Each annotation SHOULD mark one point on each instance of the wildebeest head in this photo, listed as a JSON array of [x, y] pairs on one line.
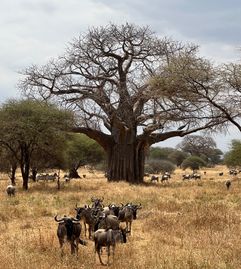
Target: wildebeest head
[[134, 209], [68, 223], [97, 202], [80, 211]]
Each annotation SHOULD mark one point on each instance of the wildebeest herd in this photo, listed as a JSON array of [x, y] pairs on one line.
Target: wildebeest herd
[[103, 226]]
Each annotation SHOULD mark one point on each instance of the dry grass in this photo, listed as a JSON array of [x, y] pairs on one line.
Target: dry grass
[[183, 224]]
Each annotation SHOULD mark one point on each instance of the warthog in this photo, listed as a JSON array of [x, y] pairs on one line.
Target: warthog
[[69, 229], [10, 190], [107, 238]]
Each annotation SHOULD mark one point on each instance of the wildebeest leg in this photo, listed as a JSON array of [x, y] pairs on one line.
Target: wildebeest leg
[[77, 246], [73, 247], [130, 227], [108, 254], [61, 243], [85, 228], [98, 249], [90, 231]]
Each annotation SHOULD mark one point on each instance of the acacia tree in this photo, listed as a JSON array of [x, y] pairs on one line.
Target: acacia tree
[[27, 127], [106, 75], [80, 151]]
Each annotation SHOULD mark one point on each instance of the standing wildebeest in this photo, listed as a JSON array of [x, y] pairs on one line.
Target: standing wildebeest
[[89, 216], [154, 178], [69, 229], [107, 238], [10, 190], [128, 214], [97, 202]]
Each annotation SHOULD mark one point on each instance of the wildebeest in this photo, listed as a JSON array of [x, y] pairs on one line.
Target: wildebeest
[[196, 176], [154, 178], [107, 222], [69, 229], [128, 213], [228, 184], [165, 176], [220, 174], [89, 217], [97, 202], [108, 238], [186, 176], [233, 172], [10, 190]]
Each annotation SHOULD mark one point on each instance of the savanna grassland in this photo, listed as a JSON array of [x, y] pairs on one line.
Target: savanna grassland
[[183, 224]]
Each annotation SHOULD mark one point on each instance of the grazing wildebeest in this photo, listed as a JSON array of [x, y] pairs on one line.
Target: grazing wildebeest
[[107, 238], [128, 213], [154, 178], [165, 176], [186, 176], [228, 184], [233, 172], [69, 229], [220, 174], [10, 190], [196, 176]]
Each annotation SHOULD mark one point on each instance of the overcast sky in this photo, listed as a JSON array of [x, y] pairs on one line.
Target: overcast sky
[[33, 31]]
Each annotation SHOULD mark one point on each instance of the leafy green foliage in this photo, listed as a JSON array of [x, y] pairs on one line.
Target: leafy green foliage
[[82, 150], [193, 162], [159, 166], [233, 157], [33, 132]]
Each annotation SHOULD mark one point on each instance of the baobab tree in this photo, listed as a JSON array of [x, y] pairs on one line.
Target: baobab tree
[[110, 77]]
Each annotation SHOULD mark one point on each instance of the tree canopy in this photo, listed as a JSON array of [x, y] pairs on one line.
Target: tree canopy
[[233, 157], [30, 129]]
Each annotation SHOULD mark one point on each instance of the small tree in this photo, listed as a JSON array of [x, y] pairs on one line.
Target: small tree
[[156, 166], [177, 157], [160, 153], [193, 162], [233, 157], [80, 151]]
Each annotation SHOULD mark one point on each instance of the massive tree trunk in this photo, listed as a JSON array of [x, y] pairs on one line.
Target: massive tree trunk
[[126, 155], [126, 162]]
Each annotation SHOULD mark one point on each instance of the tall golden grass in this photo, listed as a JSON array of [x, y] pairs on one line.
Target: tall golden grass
[[183, 224]]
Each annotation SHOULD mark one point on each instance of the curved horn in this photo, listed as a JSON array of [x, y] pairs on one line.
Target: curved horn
[[75, 220], [60, 220], [76, 207]]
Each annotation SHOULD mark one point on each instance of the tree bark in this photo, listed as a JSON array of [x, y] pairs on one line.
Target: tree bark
[[126, 156], [73, 173], [13, 174], [126, 162]]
